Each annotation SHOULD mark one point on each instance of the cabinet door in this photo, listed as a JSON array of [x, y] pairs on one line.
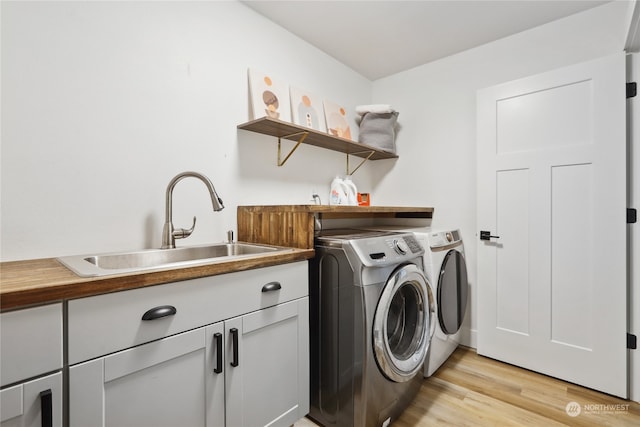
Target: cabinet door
[[33, 404], [22, 358], [163, 383], [267, 378]]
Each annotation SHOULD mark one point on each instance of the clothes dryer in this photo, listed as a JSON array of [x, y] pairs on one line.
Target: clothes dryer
[[370, 326], [446, 269]]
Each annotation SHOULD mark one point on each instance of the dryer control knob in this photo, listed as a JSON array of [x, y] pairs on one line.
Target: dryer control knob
[[400, 246]]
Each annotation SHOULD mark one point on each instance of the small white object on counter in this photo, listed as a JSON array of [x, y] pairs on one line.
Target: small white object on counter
[[352, 192], [337, 195], [343, 192]]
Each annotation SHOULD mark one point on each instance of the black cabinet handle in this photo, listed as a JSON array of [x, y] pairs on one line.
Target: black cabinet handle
[[217, 337], [271, 286], [159, 312], [46, 408], [234, 342]]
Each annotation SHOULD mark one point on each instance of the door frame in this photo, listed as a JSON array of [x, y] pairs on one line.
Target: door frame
[[633, 230]]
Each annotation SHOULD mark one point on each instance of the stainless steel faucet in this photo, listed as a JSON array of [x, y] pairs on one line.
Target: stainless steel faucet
[[169, 234]]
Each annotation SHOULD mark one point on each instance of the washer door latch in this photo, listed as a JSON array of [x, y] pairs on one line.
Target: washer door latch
[[486, 235]]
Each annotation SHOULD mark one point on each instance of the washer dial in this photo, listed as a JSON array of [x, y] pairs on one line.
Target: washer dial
[[400, 246]]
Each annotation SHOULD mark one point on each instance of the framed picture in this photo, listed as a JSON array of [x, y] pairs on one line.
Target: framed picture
[[269, 97], [337, 120], [306, 109]]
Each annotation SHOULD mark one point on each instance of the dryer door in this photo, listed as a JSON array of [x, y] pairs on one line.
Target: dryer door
[[401, 330], [452, 292]]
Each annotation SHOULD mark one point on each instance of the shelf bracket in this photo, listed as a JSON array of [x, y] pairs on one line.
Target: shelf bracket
[[302, 138], [371, 153]]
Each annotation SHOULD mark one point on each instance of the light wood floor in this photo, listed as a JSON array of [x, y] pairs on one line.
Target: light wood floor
[[472, 390]]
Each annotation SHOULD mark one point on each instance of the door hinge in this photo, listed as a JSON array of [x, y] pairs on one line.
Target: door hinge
[[632, 216], [632, 89], [632, 341]]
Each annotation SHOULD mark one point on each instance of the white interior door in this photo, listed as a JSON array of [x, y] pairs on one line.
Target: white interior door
[[552, 187]]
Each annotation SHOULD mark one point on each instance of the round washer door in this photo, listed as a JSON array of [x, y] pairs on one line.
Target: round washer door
[[452, 292], [401, 324]]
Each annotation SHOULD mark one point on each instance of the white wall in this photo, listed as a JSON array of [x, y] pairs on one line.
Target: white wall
[[104, 102], [437, 105]]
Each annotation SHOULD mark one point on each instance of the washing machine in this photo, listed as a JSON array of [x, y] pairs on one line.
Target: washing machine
[[370, 323], [446, 272]]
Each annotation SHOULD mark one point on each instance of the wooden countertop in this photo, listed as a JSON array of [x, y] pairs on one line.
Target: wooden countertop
[[345, 211], [41, 281]]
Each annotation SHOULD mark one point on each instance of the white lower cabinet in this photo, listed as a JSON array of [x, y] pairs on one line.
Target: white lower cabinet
[[30, 367], [248, 370]]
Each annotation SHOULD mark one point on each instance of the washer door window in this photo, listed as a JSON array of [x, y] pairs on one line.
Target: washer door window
[[401, 324], [452, 292]]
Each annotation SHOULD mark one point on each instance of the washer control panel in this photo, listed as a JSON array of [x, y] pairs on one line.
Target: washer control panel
[[377, 248], [393, 249]]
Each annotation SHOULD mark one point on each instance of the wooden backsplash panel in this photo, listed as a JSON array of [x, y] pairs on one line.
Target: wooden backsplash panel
[[281, 228], [293, 225]]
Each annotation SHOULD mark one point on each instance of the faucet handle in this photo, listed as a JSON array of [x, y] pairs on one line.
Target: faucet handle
[[181, 233]]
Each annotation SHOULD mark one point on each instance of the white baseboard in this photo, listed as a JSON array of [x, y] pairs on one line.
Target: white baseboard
[[469, 337]]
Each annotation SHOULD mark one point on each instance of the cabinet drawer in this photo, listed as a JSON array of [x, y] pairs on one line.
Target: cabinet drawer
[[106, 323], [31, 342]]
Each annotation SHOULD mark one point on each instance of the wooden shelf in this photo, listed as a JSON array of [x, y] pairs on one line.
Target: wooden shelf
[[301, 134]]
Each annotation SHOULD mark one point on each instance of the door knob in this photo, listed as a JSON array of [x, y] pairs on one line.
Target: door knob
[[486, 235]]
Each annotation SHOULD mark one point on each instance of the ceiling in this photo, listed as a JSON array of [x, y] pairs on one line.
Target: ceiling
[[381, 38]]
